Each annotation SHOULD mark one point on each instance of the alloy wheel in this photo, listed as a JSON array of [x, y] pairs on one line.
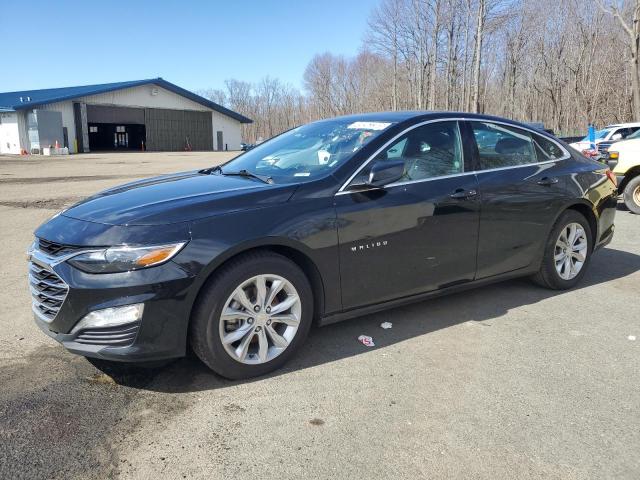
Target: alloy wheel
[[570, 251], [260, 319]]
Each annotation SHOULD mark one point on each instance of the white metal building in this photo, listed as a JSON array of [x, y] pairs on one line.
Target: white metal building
[[151, 114]]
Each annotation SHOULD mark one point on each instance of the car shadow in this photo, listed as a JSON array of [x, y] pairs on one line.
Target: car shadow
[[339, 341]]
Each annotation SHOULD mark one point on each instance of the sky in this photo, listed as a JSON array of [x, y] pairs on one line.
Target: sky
[[194, 44]]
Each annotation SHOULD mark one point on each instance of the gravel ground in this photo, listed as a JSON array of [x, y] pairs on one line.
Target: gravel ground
[[506, 381]]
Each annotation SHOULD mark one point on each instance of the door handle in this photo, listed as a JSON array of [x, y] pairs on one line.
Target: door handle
[[461, 193], [548, 181]]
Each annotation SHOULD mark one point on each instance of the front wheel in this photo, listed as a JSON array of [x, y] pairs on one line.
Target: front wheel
[[252, 316], [632, 195], [567, 252]]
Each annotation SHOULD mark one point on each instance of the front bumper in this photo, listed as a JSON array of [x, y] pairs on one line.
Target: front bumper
[[160, 334]]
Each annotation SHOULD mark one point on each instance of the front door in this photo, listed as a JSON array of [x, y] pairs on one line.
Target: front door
[[418, 234], [220, 141], [121, 137]]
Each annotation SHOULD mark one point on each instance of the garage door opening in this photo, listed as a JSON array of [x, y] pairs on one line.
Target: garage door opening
[[116, 128], [114, 136]]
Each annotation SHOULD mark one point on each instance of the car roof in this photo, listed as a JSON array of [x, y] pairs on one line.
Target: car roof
[[616, 125], [405, 115]]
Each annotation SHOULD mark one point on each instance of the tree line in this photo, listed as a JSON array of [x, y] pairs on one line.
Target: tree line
[[566, 63]]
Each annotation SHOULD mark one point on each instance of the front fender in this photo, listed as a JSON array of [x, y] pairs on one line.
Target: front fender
[[306, 227]]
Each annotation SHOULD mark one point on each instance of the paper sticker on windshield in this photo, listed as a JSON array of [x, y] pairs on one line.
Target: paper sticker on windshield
[[369, 125], [302, 174]]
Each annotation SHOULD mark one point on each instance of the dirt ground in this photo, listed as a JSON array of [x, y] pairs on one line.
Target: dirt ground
[[506, 381]]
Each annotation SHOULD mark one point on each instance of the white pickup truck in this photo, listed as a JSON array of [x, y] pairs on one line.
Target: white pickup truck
[[606, 136], [623, 157]]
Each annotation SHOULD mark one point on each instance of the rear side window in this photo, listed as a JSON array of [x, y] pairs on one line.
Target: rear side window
[[546, 149], [503, 146]]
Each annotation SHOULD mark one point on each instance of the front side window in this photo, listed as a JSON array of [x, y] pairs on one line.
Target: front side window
[[309, 151], [635, 134], [503, 146], [624, 132], [429, 151]]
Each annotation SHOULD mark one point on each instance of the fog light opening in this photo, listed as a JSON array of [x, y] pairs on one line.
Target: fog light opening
[[110, 317]]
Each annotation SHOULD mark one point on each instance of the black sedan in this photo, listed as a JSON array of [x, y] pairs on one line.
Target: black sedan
[[327, 221]]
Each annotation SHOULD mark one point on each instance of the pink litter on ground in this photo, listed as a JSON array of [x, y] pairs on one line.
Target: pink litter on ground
[[366, 341]]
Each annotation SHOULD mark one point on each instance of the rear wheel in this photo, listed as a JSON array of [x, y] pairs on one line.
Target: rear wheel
[[632, 195], [253, 316], [567, 252]]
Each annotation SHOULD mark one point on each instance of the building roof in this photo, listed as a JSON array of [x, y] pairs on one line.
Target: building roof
[[11, 101]]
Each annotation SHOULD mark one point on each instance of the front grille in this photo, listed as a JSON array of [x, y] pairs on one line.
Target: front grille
[[603, 147], [55, 249], [119, 336], [48, 291]]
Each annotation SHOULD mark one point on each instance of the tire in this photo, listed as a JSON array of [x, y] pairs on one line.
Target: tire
[[224, 289], [632, 195], [548, 276]]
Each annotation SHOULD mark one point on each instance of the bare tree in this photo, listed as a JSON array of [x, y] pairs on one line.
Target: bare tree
[[562, 62], [617, 10], [384, 37], [477, 54]]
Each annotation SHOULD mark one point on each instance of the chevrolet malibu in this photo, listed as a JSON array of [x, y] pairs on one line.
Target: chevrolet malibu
[[328, 221]]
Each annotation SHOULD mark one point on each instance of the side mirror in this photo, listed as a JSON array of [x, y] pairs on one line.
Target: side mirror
[[386, 172], [381, 174], [616, 136]]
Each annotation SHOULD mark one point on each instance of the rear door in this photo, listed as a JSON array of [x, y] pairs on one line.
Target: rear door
[[521, 183], [418, 234]]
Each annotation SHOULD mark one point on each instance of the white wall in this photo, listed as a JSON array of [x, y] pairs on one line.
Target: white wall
[[142, 97], [9, 133], [230, 128]]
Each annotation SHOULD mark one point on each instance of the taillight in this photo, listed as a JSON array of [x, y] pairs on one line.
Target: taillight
[[611, 176]]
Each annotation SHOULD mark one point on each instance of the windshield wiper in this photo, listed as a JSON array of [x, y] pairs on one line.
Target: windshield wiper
[[247, 174], [210, 170], [242, 173]]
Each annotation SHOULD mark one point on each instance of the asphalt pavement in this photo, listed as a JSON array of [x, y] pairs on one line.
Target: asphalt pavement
[[506, 381]]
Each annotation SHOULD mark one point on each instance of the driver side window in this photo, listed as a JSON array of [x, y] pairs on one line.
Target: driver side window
[[429, 151]]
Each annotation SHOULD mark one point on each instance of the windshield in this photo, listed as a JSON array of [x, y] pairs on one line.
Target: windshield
[[305, 152], [600, 134]]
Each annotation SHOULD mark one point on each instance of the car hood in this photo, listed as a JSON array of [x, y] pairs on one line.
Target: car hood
[[581, 145], [621, 145], [176, 198]]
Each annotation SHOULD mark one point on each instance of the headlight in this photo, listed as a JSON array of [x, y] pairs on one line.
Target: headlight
[[124, 259]]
